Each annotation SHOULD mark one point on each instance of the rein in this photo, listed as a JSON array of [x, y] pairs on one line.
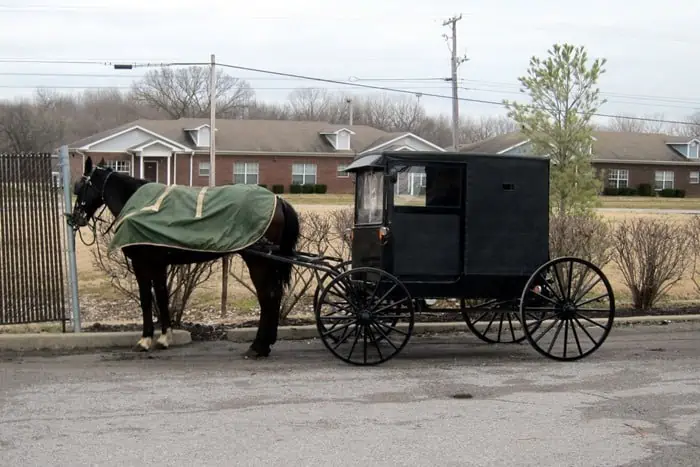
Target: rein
[[93, 227]]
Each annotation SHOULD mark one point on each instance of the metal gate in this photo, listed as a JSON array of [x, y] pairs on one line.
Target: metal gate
[[32, 273]]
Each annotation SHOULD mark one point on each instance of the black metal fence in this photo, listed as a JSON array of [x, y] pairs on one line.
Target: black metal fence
[[32, 274]]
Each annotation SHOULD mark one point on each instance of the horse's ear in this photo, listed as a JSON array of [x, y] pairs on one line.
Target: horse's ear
[[102, 163], [88, 165]]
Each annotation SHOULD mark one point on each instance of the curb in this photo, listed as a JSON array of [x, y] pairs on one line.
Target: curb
[[310, 331], [82, 340]]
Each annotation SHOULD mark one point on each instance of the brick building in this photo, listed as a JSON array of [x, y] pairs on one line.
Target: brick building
[[270, 152], [624, 159]]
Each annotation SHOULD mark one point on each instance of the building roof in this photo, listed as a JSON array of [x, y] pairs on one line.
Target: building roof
[[256, 135], [608, 146]]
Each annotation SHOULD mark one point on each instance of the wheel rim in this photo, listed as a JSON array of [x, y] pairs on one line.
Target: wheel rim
[[365, 316], [576, 308]]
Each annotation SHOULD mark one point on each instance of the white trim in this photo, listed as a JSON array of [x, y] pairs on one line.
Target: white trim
[[167, 172], [141, 165], [162, 143], [515, 146], [677, 143], [635, 162], [135, 127], [157, 169], [174, 168], [333, 155], [338, 131], [198, 128], [133, 162], [404, 148], [191, 166], [409, 134]]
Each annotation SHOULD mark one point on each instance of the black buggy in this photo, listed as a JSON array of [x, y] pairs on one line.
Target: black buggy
[[470, 227]]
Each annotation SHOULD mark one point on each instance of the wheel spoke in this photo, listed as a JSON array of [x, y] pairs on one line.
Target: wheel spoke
[[579, 315], [368, 329], [578, 343], [556, 334], [579, 305], [583, 328], [384, 336]]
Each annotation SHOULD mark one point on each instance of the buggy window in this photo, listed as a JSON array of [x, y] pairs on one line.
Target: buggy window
[[370, 197], [428, 186]]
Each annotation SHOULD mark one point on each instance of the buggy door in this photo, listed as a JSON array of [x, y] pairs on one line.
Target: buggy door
[[426, 209]]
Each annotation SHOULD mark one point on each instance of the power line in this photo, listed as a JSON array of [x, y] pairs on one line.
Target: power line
[[440, 96], [498, 86], [342, 83]]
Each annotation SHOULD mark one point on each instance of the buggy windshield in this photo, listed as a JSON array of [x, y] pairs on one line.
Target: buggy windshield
[[370, 197]]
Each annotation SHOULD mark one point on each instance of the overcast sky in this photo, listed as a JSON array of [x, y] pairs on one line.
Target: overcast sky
[[651, 46]]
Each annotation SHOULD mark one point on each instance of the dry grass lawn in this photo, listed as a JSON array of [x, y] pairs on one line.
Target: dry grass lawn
[[95, 289]]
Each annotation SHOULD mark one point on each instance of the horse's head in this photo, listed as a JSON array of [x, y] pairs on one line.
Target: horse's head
[[89, 191]]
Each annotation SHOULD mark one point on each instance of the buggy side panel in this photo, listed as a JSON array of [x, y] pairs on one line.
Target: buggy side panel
[[426, 245], [507, 221]]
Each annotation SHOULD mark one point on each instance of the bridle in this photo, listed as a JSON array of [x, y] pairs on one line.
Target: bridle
[[79, 208]]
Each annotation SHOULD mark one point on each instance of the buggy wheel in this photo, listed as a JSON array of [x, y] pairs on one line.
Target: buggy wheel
[[500, 318], [365, 316], [570, 295]]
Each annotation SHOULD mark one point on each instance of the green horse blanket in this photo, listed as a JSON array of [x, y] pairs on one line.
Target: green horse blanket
[[222, 219]]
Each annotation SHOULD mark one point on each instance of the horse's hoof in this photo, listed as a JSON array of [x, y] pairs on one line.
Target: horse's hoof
[[144, 344], [164, 341], [254, 354]]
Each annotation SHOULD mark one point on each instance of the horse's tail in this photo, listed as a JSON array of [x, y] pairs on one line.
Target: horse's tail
[[290, 237]]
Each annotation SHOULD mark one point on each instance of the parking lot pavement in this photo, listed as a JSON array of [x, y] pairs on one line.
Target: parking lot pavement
[[447, 400]]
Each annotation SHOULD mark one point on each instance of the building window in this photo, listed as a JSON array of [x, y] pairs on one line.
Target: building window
[[694, 178], [204, 169], [693, 150], [303, 174], [663, 179], [120, 166], [246, 173], [340, 169], [618, 178]]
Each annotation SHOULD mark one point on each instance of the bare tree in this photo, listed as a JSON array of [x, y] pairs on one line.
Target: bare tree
[[478, 129], [184, 92], [623, 123], [315, 104], [26, 127]]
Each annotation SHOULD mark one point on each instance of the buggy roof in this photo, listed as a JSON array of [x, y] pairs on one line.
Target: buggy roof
[[378, 161]]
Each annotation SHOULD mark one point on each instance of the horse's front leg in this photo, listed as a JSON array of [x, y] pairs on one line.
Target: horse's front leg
[[160, 286], [143, 278]]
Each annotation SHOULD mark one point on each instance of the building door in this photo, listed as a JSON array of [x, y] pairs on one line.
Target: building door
[[150, 170]]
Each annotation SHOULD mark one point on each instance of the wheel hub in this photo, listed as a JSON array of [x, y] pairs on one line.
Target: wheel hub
[[365, 317], [568, 310]]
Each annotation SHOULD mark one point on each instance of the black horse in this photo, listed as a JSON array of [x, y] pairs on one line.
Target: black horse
[[102, 186]]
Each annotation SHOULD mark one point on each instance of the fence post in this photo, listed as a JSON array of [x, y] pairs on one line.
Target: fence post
[[64, 162]]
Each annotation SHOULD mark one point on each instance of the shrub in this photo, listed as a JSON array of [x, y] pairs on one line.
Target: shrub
[[321, 234], [645, 189], [320, 189], [295, 188], [307, 188], [585, 236], [278, 189], [182, 279], [652, 255], [262, 185]]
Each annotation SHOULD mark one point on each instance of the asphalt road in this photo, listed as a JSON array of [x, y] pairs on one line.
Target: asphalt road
[[635, 402]]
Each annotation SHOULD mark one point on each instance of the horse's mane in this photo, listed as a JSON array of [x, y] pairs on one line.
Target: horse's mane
[[130, 183]]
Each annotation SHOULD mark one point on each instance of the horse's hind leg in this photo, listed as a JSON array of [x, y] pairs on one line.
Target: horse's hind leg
[[143, 278], [264, 276], [160, 286]]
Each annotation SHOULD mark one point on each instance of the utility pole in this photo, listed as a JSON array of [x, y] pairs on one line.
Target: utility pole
[[212, 122], [456, 61]]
